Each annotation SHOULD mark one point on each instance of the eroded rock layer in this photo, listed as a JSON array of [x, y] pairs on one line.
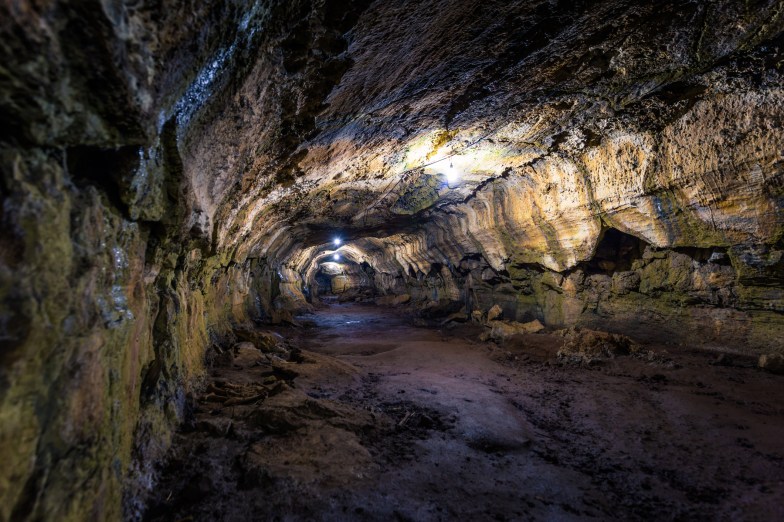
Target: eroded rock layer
[[172, 169]]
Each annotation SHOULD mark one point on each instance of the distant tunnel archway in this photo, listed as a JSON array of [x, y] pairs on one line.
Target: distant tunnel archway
[[343, 274]]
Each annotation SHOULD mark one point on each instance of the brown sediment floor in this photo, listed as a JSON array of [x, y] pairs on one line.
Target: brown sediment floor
[[378, 419]]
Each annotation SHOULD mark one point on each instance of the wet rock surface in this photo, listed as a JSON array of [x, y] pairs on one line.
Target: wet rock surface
[[432, 426]]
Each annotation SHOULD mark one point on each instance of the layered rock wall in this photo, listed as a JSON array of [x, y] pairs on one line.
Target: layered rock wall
[[108, 300]]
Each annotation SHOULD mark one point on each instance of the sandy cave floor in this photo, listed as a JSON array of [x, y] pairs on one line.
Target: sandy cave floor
[[378, 419]]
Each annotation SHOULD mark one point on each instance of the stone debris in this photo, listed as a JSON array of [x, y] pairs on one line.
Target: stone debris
[[585, 345], [772, 362], [625, 282], [283, 316], [393, 300], [230, 394], [503, 330], [266, 341], [496, 312], [247, 355], [458, 317]]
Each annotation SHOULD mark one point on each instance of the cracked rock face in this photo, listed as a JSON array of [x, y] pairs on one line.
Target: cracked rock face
[[172, 169]]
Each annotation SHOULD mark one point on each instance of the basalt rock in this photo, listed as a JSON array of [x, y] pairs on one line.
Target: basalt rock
[[495, 312], [582, 344], [773, 363], [504, 330], [393, 300]]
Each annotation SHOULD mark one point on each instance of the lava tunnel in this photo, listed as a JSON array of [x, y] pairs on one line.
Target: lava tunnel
[[338, 275], [391, 260]]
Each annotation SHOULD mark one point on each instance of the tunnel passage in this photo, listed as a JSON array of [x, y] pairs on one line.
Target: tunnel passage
[[564, 187], [344, 279]]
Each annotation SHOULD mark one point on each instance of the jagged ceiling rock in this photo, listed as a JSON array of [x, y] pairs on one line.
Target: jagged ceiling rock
[[308, 117], [563, 118]]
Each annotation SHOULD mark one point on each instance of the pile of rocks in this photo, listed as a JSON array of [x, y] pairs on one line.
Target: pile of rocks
[[585, 345], [501, 330]]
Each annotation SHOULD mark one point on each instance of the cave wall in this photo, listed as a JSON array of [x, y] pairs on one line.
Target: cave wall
[[106, 322], [105, 325], [722, 298], [108, 297]]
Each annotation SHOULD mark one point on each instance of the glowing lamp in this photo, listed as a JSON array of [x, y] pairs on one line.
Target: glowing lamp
[[452, 175], [336, 257], [336, 241]]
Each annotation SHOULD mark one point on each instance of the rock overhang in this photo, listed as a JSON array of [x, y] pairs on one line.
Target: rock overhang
[[533, 130]]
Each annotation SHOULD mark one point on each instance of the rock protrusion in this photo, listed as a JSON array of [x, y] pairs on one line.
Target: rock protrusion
[[504, 330], [495, 312], [268, 342], [772, 362]]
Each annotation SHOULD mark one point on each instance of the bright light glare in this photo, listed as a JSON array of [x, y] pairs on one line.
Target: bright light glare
[[336, 241], [452, 175], [336, 257]]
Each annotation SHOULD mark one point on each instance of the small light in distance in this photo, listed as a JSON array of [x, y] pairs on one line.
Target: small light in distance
[[336, 257], [336, 241]]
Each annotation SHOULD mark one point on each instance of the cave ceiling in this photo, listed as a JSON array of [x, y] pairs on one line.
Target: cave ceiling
[[288, 123]]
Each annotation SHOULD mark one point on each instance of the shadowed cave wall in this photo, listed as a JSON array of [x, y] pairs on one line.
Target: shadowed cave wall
[[172, 170]]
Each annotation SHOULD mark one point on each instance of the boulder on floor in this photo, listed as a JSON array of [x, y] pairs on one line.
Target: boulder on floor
[[441, 308], [283, 316], [458, 317], [585, 345], [503, 330], [393, 300], [246, 354], [495, 312], [264, 340], [772, 362]]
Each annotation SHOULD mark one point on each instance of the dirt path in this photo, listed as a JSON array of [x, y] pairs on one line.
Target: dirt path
[[381, 420]]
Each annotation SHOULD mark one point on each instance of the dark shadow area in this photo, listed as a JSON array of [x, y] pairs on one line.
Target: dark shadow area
[[105, 169], [615, 252]]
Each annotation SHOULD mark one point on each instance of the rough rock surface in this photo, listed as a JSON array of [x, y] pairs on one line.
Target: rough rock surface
[[172, 169], [773, 363], [495, 312], [427, 425], [503, 330], [586, 345]]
